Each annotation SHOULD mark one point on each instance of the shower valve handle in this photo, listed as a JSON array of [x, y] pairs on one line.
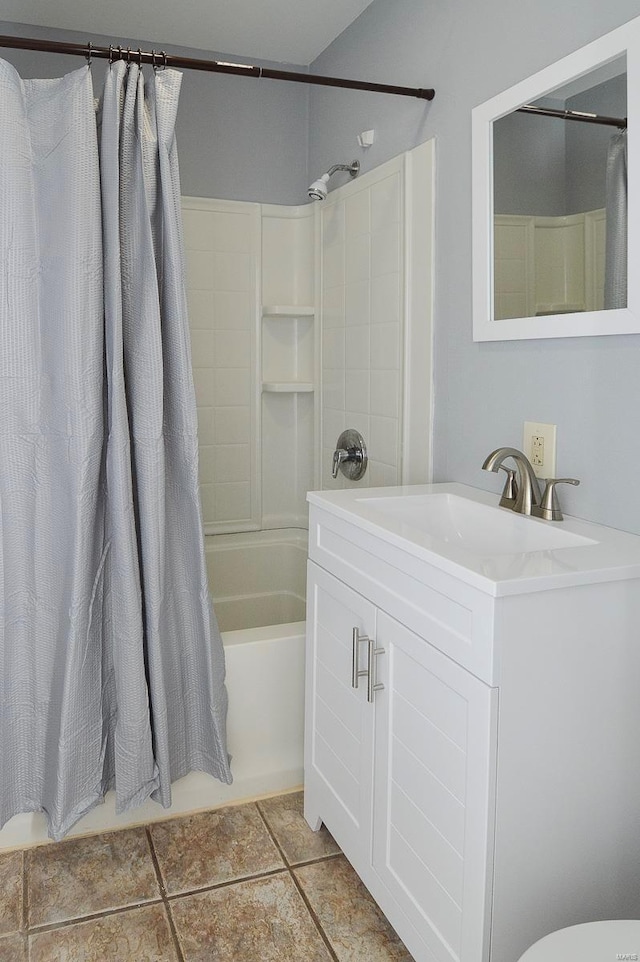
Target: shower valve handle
[[350, 455], [339, 455]]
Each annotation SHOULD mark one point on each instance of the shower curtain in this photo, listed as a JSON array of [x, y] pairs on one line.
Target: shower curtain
[[111, 662], [615, 269]]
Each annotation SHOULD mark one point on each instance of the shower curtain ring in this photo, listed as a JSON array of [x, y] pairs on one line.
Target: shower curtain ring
[[110, 54], [139, 57], [128, 56], [89, 48], [164, 58]]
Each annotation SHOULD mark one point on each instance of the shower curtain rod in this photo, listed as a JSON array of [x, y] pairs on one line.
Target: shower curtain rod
[[162, 59], [582, 115]]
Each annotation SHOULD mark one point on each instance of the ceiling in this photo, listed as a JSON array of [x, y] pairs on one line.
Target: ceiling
[[287, 31]]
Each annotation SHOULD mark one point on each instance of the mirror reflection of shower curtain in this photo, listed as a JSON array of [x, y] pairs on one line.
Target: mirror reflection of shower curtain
[[615, 270]]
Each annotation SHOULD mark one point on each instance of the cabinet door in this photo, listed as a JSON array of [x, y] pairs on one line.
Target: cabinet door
[[433, 793], [338, 719]]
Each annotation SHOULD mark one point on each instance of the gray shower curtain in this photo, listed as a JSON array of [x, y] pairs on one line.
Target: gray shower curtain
[[111, 663]]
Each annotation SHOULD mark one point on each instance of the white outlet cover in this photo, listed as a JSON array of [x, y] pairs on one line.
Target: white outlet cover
[[536, 429]]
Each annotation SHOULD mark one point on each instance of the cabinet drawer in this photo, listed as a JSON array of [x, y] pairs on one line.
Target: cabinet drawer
[[454, 617]]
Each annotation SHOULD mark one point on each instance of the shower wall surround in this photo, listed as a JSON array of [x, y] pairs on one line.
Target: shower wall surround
[[304, 321], [375, 240], [362, 258], [250, 287], [287, 334], [222, 243]]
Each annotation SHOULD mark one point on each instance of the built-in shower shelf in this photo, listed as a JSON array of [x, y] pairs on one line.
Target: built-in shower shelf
[[288, 310], [287, 387]]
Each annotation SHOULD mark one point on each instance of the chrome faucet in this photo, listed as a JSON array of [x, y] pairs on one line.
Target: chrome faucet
[[523, 493], [527, 499]]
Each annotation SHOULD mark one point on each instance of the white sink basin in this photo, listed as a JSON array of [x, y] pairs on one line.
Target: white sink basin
[[462, 531], [477, 528]]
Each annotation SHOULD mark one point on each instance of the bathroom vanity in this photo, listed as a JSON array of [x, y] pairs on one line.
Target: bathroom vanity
[[473, 714]]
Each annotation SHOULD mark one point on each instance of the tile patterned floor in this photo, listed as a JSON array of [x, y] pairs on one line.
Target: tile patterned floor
[[248, 883]]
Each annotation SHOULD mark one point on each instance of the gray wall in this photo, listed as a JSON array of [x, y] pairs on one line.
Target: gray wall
[[589, 387], [238, 138], [529, 163]]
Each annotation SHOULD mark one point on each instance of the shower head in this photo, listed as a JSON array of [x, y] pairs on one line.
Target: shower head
[[320, 188]]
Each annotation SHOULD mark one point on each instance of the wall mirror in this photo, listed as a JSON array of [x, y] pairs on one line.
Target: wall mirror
[[556, 216]]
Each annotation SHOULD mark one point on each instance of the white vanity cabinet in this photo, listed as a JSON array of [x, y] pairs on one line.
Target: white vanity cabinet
[[485, 782], [403, 781]]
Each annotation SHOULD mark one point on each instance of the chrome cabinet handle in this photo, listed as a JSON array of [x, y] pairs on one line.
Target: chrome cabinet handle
[[356, 671], [372, 686]]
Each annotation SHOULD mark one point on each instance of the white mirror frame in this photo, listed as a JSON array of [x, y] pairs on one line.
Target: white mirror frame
[[625, 40]]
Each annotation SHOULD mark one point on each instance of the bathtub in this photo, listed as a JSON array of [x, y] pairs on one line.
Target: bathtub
[[257, 581]]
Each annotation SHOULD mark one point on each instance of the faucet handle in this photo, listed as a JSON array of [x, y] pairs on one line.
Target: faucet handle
[[549, 505], [510, 491]]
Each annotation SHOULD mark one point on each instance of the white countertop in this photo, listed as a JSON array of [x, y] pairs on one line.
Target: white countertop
[[606, 554]]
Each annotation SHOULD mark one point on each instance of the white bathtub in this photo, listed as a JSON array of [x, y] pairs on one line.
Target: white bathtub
[[258, 586], [258, 578]]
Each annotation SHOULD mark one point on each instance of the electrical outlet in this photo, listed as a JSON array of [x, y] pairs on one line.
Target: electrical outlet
[[537, 450], [539, 445]]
